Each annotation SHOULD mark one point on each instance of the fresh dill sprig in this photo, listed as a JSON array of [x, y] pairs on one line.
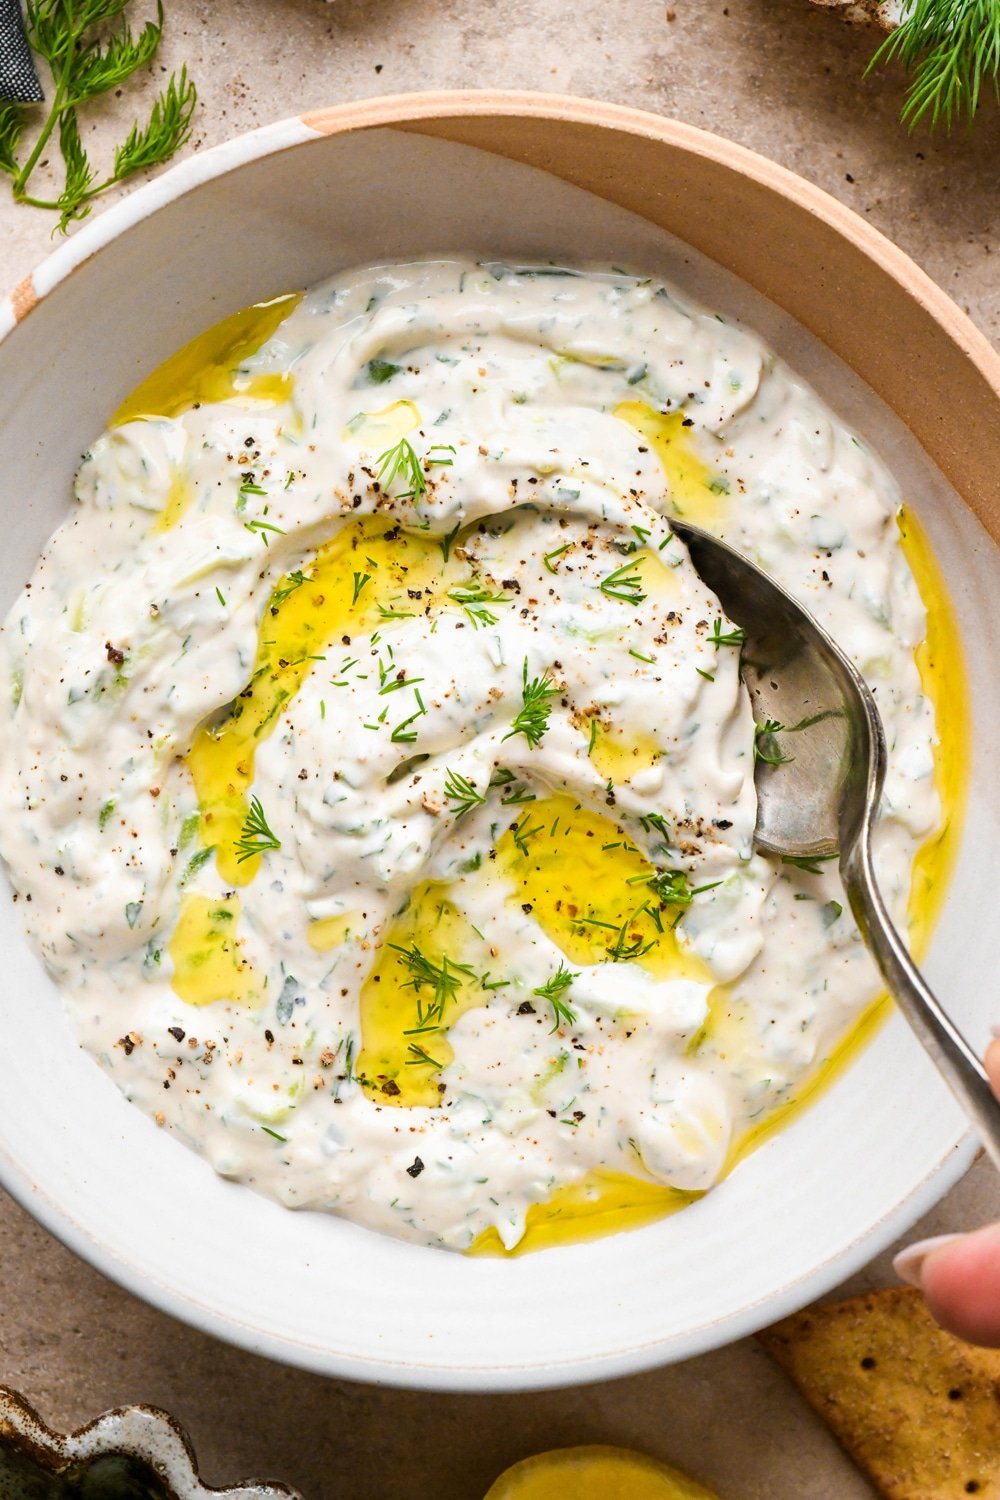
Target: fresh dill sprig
[[444, 980], [826, 713], [720, 637], [402, 734], [809, 862], [261, 528], [473, 598], [553, 991], [487, 983], [392, 684], [461, 791], [420, 1058], [518, 795], [71, 35], [515, 792], [628, 944], [624, 583], [659, 822], [765, 745], [255, 836], [360, 579], [294, 581], [521, 834], [532, 718], [672, 887], [447, 541], [951, 49], [402, 460]]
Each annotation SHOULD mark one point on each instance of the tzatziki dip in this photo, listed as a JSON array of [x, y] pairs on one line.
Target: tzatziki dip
[[376, 771]]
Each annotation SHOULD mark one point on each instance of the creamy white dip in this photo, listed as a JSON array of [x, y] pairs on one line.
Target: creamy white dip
[[619, 983]]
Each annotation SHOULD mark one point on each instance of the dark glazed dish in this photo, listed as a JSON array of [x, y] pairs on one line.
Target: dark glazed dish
[[131, 1453]]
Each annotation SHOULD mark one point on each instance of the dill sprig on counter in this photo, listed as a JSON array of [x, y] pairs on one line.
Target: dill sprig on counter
[[86, 63], [951, 49], [255, 835]]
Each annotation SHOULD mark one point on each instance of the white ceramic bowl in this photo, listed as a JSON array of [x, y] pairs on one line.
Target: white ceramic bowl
[[284, 207]]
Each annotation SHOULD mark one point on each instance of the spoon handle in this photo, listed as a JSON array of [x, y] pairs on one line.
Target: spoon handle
[[949, 1050]]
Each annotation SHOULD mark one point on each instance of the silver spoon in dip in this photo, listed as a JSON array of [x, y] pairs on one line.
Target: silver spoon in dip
[[822, 804]]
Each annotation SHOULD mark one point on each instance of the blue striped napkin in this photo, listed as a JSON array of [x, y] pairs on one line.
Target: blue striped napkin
[[18, 79]]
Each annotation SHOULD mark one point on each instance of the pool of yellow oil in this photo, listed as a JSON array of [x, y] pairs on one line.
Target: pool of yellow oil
[[569, 850], [602, 1202], [308, 613], [210, 367], [697, 493], [405, 1016], [205, 951], [587, 887]]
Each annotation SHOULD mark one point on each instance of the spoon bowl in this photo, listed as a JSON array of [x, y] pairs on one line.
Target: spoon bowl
[[822, 803]]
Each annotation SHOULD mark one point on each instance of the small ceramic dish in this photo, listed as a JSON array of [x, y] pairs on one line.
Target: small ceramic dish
[[131, 1453], [521, 176]]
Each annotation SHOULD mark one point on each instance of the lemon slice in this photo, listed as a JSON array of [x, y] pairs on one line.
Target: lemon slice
[[595, 1473]]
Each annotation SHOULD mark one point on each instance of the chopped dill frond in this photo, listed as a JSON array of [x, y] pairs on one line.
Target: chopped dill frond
[[532, 718], [625, 583], [461, 791], [553, 990], [402, 460], [255, 836], [719, 637]]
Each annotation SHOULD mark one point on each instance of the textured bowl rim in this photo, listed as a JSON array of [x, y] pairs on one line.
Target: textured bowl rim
[[422, 113], [142, 1432]]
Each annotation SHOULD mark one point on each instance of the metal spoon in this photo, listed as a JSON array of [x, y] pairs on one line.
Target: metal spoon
[[823, 802]]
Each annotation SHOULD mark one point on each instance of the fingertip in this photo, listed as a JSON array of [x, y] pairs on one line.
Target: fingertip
[[961, 1282], [993, 1065]]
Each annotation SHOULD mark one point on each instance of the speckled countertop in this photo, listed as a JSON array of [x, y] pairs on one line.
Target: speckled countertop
[[781, 77]]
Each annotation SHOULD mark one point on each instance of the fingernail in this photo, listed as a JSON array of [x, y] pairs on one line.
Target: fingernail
[[909, 1263], [996, 1031]]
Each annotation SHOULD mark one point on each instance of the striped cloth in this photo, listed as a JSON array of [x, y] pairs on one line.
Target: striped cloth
[[18, 79]]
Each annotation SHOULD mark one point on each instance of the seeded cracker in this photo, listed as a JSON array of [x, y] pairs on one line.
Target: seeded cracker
[[917, 1410]]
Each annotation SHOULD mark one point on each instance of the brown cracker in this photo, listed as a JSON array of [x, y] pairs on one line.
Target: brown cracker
[[917, 1410]]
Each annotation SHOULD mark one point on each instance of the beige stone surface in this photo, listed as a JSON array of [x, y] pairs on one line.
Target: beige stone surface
[[786, 79]]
